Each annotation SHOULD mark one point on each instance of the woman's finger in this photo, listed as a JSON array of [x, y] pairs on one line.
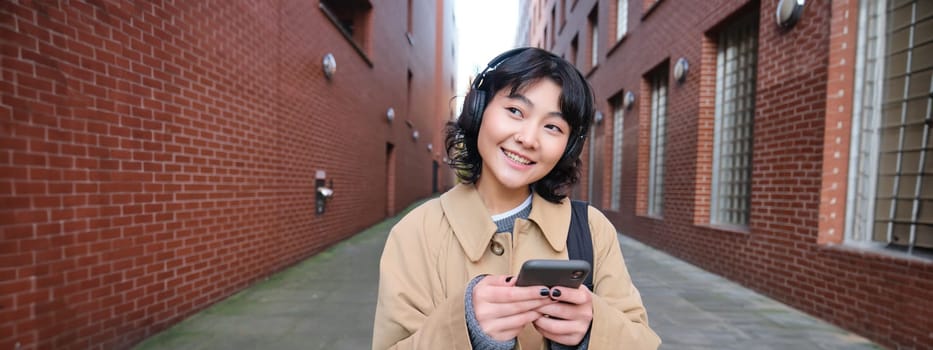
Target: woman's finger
[[567, 332], [505, 328], [566, 311], [499, 280], [496, 310], [508, 294], [580, 295]]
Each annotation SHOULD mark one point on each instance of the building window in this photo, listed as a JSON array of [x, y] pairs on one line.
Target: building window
[[408, 109], [621, 19], [591, 162], [564, 12], [615, 197], [553, 25], [573, 50], [352, 17], [411, 13], [658, 81], [594, 37], [735, 110], [892, 173]]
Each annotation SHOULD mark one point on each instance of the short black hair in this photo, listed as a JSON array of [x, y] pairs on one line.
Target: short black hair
[[527, 66]]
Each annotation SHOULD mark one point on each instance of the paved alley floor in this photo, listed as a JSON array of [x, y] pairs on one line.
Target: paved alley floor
[[328, 302], [694, 309]]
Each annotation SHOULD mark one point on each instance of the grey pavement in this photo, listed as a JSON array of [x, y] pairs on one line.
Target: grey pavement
[[694, 309], [328, 302]]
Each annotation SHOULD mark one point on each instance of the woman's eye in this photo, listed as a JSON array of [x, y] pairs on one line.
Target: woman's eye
[[513, 110], [554, 128]]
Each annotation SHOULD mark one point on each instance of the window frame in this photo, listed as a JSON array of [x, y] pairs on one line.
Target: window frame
[[869, 124], [618, 130], [621, 19], [365, 36], [658, 138], [738, 38], [593, 24]]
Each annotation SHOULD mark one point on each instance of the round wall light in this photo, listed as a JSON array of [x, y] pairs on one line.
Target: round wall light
[[390, 114], [788, 12], [629, 100], [415, 135], [330, 65], [430, 147], [680, 70], [598, 118]]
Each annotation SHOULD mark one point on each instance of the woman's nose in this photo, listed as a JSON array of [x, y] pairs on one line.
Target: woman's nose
[[527, 136]]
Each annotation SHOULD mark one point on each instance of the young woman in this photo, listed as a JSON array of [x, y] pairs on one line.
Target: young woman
[[446, 274]]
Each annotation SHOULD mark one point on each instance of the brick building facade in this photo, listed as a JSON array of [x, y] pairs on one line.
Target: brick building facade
[[158, 157], [791, 159]]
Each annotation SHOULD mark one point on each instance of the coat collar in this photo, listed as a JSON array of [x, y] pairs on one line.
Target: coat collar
[[473, 226]]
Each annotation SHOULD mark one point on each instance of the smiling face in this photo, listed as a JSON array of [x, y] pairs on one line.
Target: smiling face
[[521, 138]]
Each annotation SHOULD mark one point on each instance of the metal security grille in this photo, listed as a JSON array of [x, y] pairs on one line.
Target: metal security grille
[[892, 172], [735, 111], [617, 119], [658, 137], [621, 18]]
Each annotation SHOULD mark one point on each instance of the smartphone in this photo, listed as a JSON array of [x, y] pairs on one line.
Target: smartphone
[[552, 273]]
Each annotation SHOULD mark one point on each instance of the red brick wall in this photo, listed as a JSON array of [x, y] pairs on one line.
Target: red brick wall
[[801, 72], [159, 156]]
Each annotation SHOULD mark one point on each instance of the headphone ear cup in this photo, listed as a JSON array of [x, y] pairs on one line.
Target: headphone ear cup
[[476, 102]]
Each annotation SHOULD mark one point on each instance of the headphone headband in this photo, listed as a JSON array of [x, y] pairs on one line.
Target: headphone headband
[[495, 62]]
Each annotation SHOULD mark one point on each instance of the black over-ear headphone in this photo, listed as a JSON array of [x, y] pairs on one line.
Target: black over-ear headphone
[[475, 104]]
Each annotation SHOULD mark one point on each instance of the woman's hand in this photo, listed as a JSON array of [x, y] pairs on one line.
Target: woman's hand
[[502, 309], [568, 321]]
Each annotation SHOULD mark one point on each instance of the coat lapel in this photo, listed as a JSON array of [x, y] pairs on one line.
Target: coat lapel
[[471, 222], [473, 226], [553, 219]]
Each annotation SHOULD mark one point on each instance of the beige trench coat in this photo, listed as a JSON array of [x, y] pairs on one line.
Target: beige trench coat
[[435, 250]]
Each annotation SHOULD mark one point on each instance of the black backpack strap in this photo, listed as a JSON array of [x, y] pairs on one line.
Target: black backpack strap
[[579, 240]]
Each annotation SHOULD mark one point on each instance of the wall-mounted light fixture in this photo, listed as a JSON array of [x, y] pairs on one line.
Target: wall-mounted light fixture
[[330, 65], [430, 147], [415, 135], [323, 193], [680, 70], [629, 100], [598, 118], [390, 114], [788, 12]]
